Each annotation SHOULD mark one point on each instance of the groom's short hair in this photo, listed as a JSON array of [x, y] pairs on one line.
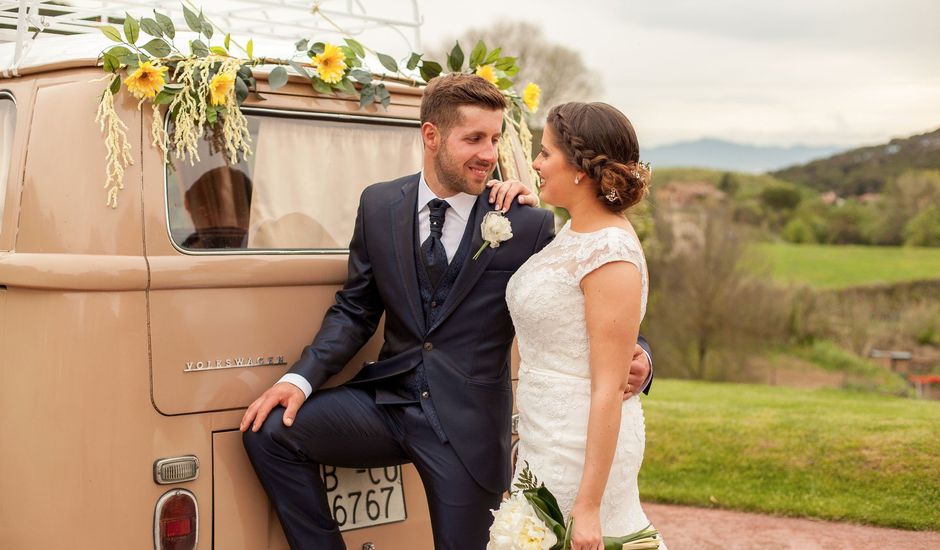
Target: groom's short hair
[[444, 94]]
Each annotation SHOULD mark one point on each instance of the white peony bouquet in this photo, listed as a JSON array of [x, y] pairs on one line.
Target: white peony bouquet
[[530, 519]]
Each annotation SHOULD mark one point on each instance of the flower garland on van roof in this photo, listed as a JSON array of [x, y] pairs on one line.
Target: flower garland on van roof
[[205, 88]]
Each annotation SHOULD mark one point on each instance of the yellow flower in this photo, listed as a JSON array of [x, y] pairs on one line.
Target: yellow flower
[[531, 96], [488, 73], [331, 64], [146, 81], [220, 87]]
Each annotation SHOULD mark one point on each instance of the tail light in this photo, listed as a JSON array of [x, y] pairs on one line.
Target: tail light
[[176, 521]]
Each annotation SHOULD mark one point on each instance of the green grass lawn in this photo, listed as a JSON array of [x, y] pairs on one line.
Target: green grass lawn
[[827, 266], [830, 454]]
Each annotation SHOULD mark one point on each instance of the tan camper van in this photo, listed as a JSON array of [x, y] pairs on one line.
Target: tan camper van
[[132, 339]]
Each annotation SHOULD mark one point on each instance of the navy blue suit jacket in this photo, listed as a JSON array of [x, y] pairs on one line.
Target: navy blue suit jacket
[[466, 352]]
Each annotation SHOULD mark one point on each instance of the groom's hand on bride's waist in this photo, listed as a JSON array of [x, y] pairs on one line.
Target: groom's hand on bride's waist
[[502, 194], [639, 373], [282, 394]]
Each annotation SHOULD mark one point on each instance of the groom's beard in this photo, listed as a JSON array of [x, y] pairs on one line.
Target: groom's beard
[[450, 174]]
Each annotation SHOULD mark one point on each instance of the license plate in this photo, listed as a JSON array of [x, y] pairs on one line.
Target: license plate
[[362, 497]]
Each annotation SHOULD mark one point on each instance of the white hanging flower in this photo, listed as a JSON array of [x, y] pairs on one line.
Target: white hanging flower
[[517, 527]]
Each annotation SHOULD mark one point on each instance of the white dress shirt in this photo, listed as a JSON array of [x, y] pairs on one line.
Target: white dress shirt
[[455, 223]]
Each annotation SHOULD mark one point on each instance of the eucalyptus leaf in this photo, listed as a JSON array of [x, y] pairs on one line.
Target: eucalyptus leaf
[[455, 59], [151, 27], [111, 33], [356, 47], [322, 87], [241, 90], [110, 62], [504, 63], [366, 96], [301, 70], [477, 55], [119, 51], [353, 62], [164, 98], [115, 85], [492, 57], [228, 41], [301, 44], [244, 71], [199, 48], [317, 48], [205, 27], [218, 50], [346, 86], [381, 92], [131, 28], [430, 69], [157, 47], [169, 28], [278, 77], [360, 76], [192, 20], [250, 49], [413, 61], [131, 60], [212, 115], [388, 62], [173, 88]]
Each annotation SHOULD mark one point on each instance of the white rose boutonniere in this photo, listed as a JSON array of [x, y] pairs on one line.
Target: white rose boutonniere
[[495, 229]]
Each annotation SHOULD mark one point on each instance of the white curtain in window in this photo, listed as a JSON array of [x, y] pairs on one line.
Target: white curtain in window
[[7, 127], [308, 176]]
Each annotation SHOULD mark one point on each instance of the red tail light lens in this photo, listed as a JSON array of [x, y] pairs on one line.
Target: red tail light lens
[[176, 521]]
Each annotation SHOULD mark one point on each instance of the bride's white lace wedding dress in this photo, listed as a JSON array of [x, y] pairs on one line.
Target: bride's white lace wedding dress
[[554, 393]]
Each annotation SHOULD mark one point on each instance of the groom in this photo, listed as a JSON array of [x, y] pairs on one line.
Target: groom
[[440, 395]]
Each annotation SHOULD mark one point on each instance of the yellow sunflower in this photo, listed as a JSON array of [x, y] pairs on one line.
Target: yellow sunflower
[[331, 64], [146, 81], [488, 73], [220, 87], [531, 96]]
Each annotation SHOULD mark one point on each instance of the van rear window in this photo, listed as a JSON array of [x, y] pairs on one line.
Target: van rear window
[[300, 189], [7, 127]]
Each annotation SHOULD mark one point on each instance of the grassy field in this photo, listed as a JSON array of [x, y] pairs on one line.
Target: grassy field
[[830, 454], [823, 266]]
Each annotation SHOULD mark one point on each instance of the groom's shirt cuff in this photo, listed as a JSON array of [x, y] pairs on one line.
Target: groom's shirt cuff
[[300, 382]]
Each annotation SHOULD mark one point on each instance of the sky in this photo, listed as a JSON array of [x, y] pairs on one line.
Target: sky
[[810, 72], [815, 72]]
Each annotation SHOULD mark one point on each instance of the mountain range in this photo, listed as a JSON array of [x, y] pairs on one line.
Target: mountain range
[[719, 154]]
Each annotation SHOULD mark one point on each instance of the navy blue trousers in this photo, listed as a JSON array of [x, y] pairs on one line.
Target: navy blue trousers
[[344, 427]]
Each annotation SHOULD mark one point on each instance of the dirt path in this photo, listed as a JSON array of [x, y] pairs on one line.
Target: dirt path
[[687, 528]]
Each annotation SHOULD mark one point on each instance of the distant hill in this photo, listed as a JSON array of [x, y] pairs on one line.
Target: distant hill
[[867, 169], [725, 155]]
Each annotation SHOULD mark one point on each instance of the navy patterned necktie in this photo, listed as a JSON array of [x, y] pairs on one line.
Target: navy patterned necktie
[[432, 249]]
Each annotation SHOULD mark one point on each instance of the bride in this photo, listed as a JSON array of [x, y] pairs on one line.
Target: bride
[[577, 307]]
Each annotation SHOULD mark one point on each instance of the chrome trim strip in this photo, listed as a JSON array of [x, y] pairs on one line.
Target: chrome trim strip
[[278, 113]]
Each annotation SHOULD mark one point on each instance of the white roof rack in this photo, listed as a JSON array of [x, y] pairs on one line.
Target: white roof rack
[[26, 21]]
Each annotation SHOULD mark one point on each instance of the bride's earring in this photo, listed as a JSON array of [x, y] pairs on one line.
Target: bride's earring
[[577, 180]]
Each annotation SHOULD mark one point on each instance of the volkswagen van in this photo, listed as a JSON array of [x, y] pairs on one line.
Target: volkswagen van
[[133, 338]]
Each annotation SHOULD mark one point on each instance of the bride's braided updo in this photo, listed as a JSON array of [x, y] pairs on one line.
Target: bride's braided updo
[[599, 140]]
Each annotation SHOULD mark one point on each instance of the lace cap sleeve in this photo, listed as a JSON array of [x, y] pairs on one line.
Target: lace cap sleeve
[[610, 246]]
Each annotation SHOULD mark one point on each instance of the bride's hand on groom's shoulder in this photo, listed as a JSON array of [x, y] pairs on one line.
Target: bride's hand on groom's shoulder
[[282, 394], [586, 529], [503, 193]]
